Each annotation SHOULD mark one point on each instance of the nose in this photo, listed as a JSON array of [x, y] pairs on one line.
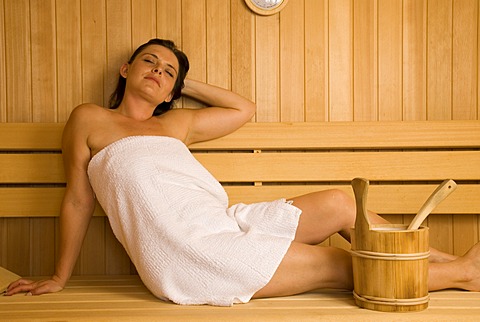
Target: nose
[[157, 70]]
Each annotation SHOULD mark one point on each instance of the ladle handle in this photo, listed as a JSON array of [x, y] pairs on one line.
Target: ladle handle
[[360, 189], [442, 192]]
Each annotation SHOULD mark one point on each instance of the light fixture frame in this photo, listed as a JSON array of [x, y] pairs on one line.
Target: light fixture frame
[[256, 6]]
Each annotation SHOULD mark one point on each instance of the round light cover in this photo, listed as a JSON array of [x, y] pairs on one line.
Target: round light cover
[[266, 7]]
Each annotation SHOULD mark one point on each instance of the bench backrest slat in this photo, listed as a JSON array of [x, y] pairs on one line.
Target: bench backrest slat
[[262, 161], [328, 135], [286, 167], [350, 135], [386, 199], [342, 166]]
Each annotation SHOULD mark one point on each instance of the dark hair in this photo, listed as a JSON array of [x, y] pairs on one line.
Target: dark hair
[[117, 96]]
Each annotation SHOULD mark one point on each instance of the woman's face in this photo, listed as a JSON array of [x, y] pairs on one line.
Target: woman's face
[[153, 72]]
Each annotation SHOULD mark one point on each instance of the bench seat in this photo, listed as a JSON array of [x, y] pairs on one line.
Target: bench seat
[[124, 298]]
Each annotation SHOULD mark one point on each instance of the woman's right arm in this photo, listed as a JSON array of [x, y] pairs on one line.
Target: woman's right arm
[[76, 211]]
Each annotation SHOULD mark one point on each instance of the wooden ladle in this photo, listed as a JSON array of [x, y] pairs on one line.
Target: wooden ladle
[[442, 192]]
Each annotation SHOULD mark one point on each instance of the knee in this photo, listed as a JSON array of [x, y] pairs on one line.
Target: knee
[[342, 205]]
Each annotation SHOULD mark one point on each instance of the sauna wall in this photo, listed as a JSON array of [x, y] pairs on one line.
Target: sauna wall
[[317, 60]]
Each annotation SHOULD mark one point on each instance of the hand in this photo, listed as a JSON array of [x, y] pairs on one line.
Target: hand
[[35, 287]]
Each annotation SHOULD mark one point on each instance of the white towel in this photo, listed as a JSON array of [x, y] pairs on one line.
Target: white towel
[[172, 217]]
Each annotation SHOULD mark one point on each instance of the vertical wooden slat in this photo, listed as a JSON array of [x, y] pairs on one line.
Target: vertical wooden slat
[[69, 63], [441, 232], [218, 43], [340, 60], [44, 80], [18, 88], [390, 60], [18, 61], [365, 61], [194, 36], [316, 63], [92, 255], [118, 50], [94, 70], [144, 27], [119, 45], [439, 96], [194, 40], [464, 82], [243, 49], [169, 20], [3, 242], [94, 65], [17, 257], [3, 76], [42, 249], [439, 58], [465, 233], [267, 68], [292, 62], [465, 44], [414, 60]]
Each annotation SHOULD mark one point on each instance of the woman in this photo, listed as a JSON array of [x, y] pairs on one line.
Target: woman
[[172, 216]]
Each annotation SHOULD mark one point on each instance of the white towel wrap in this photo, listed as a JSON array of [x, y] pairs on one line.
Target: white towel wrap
[[172, 217]]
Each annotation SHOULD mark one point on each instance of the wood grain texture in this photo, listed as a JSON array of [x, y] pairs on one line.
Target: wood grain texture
[[363, 60], [406, 161], [123, 298], [317, 60]]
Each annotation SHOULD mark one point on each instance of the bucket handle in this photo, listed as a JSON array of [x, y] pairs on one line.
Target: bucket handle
[[360, 189]]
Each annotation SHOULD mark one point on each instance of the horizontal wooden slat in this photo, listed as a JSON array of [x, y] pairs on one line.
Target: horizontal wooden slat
[[113, 298], [31, 136], [31, 168], [343, 166], [287, 167], [384, 199], [350, 135], [309, 135], [33, 202]]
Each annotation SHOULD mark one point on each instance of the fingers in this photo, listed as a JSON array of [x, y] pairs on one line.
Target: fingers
[[21, 285], [27, 286], [33, 288]]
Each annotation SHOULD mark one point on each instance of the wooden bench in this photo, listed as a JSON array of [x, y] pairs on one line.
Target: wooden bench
[[404, 162]]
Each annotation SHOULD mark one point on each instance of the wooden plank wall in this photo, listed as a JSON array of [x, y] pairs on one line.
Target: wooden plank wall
[[318, 60]]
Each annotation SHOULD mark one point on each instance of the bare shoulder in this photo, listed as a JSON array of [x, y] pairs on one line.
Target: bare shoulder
[[85, 111], [83, 115], [80, 122]]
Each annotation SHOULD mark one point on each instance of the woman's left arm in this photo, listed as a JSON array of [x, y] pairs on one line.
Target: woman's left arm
[[227, 112]]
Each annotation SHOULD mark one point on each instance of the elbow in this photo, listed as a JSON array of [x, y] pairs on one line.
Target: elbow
[[252, 109]]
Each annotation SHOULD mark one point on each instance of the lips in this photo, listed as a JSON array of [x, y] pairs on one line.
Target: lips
[[153, 79]]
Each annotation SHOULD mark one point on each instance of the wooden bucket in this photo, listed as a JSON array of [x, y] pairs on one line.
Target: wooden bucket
[[390, 263]]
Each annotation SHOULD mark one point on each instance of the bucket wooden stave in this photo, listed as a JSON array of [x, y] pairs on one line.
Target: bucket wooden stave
[[390, 263]]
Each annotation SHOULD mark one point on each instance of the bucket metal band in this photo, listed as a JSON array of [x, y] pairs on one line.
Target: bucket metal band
[[390, 301], [390, 256]]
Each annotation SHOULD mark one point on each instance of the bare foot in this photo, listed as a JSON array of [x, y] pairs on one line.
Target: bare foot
[[470, 264], [437, 256]]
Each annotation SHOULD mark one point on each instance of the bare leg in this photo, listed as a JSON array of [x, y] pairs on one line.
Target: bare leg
[[325, 213], [308, 267], [462, 273]]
